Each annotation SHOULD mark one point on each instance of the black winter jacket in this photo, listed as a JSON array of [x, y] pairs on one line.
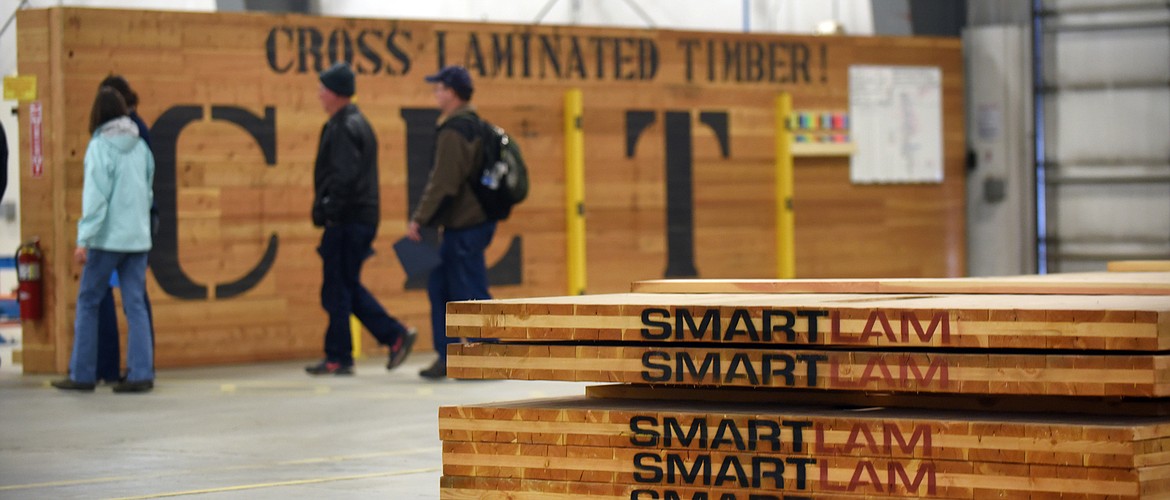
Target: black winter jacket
[[345, 176]]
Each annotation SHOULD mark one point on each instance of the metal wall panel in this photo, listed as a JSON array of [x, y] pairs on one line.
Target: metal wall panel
[[1074, 5], [1104, 149], [1113, 125], [1092, 57], [1117, 213]]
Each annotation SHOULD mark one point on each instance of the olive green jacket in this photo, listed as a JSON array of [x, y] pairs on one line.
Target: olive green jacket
[[448, 200]]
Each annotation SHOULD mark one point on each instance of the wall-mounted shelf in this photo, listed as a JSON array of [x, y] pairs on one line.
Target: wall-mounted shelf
[[820, 133], [823, 148]]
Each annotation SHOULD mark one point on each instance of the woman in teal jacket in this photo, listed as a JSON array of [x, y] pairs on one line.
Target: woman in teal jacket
[[113, 233]]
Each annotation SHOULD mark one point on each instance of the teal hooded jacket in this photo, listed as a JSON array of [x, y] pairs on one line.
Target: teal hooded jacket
[[119, 190]]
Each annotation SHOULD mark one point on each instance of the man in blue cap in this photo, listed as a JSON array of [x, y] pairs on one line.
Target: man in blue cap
[[346, 204], [449, 203]]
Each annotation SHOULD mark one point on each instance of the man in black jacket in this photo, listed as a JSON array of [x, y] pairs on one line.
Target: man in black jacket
[[346, 204]]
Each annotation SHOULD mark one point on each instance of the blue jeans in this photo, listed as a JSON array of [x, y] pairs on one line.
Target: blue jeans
[[344, 248], [461, 275], [95, 280], [109, 357]]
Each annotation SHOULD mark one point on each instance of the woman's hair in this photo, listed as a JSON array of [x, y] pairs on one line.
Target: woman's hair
[[123, 87], [106, 106]]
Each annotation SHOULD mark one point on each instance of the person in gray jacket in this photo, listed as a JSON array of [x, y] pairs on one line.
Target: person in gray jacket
[[346, 204]]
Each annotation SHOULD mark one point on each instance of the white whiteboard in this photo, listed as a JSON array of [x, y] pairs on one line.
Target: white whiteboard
[[895, 115]]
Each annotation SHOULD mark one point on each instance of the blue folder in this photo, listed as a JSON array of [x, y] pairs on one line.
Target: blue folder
[[418, 258]]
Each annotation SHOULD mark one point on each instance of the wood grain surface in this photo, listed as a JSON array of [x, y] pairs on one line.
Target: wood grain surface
[[230, 198], [1136, 375], [864, 320], [791, 450], [1107, 283]]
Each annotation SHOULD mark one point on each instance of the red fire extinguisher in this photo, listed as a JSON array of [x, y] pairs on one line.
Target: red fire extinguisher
[[29, 264]]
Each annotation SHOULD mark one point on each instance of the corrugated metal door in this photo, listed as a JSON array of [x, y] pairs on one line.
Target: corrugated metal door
[[1102, 97]]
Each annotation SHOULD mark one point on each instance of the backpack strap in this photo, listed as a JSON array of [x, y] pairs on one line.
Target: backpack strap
[[467, 125]]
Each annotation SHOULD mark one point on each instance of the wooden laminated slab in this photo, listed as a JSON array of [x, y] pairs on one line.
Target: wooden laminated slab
[[458, 487], [1075, 322], [1122, 375], [810, 431], [466, 488], [860, 400], [606, 449], [494, 488], [745, 474], [1130, 280], [1152, 266]]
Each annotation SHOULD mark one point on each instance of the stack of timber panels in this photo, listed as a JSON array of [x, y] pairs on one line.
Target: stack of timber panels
[[1021, 387]]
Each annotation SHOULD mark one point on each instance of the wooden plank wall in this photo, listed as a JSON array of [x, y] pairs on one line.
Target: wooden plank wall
[[230, 200]]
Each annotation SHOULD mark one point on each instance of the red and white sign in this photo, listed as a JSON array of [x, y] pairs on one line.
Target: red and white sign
[[38, 155]]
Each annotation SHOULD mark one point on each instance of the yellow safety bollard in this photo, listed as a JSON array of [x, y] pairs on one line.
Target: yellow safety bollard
[[355, 333], [785, 217], [575, 192]]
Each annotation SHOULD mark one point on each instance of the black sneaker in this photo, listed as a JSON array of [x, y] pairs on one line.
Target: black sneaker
[[70, 385], [134, 386], [437, 371], [329, 368], [400, 352]]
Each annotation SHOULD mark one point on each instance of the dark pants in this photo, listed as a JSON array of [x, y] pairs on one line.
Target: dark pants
[[109, 356], [344, 248], [462, 275]]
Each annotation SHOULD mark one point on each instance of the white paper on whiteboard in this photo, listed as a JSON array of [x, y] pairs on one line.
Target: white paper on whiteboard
[[896, 124]]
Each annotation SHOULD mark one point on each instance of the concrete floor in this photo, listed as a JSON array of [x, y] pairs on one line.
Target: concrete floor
[[259, 431]]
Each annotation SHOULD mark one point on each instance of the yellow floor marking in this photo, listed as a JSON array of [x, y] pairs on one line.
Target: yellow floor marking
[[112, 479], [286, 483]]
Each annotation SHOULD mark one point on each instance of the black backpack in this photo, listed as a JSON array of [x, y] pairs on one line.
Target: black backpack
[[502, 180]]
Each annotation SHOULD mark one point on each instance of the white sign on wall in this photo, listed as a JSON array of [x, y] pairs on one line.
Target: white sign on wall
[[896, 124], [37, 153]]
